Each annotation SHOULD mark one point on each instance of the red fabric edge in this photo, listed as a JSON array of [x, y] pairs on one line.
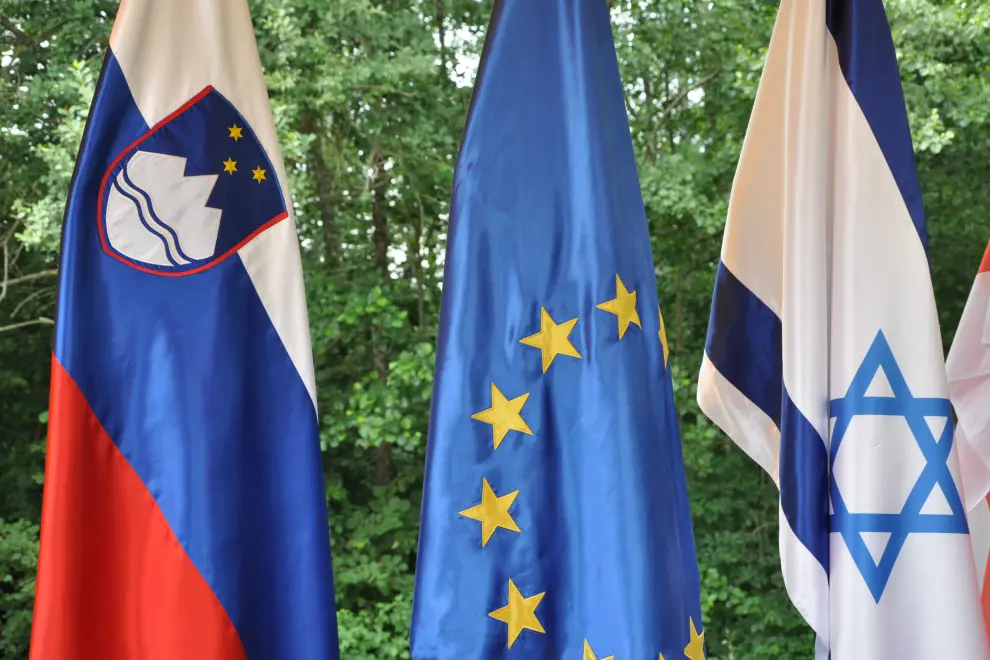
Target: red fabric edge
[[113, 580], [985, 266]]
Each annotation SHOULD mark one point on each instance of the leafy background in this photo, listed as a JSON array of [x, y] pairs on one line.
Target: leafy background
[[370, 98]]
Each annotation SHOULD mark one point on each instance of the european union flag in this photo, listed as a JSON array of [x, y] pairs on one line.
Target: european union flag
[[555, 519]]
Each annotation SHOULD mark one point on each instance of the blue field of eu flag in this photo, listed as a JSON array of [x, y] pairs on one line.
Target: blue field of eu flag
[[555, 518]]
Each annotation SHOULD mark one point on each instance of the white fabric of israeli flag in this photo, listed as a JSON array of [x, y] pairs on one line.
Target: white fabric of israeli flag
[[824, 360]]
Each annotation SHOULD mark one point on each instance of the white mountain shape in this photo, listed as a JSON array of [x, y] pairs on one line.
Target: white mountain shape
[[178, 203]]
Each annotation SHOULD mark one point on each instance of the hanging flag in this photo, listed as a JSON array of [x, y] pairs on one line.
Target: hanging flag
[[184, 509], [555, 521], [968, 367], [823, 359]]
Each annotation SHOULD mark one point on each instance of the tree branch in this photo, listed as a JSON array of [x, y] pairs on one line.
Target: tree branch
[[6, 272], [17, 34], [41, 320], [6, 258], [33, 276], [40, 293], [682, 96]]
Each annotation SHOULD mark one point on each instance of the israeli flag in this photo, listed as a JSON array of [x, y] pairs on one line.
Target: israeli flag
[[824, 360]]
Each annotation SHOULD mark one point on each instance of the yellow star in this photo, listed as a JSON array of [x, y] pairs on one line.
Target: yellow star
[[519, 614], [695, 650], [235, 132], [552, 339], [590, 655], [259, 174], [663, 337], [661, 657], [230, 166], [493, 512], [623, 306], [504, 415]]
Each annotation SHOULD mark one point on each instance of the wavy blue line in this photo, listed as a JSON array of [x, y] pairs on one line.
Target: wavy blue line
[[154, 216], [137, 205]]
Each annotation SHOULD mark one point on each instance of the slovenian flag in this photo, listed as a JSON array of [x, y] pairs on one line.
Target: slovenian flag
[[184, 508], [824, 359]]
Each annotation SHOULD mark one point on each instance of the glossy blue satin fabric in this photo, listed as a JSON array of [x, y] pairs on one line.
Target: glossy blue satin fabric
[[189, 378], [546, 213]]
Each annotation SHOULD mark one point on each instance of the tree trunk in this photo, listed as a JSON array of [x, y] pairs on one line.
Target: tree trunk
[[418, 271], [442, 36], [323, 180], [379, 243]]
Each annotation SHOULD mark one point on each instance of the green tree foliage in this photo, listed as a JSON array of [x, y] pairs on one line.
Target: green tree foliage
[[370, 98]]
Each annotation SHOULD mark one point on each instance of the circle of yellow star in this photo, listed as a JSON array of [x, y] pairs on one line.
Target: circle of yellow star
[[493, 512], [552, 339], [663, 337], [590, 655], [695, 650], [504, 415], [235, 132], [623, 306], [230, 166], [519, 614], [259, 174]]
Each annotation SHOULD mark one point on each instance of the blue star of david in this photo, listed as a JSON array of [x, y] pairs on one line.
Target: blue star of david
[[910, 520]]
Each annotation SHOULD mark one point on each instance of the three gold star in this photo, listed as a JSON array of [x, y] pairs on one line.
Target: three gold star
[[504, 415], [623, 306], [590, 655], [552, 339], [235, 132], [230, 166], [519, 614], [493, 512]]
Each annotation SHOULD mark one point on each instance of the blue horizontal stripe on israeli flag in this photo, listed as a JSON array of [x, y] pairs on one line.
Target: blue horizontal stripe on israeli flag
[[869, 65], [744, 345]]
